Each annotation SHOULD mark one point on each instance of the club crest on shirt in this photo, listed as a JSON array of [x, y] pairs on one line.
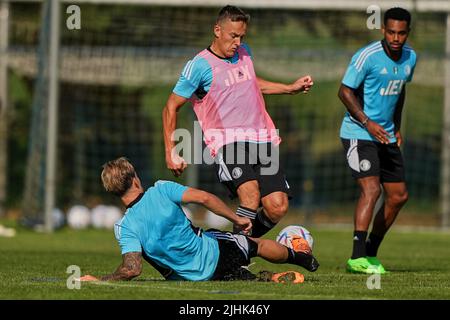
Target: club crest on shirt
[[407, 70]]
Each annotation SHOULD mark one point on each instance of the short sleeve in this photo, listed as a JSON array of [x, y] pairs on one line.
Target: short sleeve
[[410, 77], [412, 67], [196, 74], [356, 72], [174, 191], [128, 240]]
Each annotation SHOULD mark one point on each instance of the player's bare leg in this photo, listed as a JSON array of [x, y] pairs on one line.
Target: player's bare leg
[[370, 191], [275, 205], [396, 196], [249, 196], [249, 199], [274, 252]]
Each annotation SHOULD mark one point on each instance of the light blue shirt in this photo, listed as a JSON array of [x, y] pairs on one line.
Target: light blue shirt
[[197, 76], [157, 225], [378, 81]]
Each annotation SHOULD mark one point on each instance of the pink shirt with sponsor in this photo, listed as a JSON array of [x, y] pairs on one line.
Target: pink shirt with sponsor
[[233, 109]]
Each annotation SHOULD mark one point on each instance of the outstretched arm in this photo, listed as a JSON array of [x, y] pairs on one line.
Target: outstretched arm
[[355, 109], [216, 205], [131, 267], [302, 84], [169, 115]]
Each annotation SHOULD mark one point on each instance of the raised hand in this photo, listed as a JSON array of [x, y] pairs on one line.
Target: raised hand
[[175, 163]]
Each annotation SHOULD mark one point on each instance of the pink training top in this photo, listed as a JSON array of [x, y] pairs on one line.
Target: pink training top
[[233, 109]]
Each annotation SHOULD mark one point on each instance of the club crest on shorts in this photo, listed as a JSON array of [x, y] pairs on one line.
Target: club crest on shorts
[[365, 165], [236, 173]]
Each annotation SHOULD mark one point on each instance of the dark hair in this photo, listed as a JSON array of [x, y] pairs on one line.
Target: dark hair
[[233, 13], [397, 14]]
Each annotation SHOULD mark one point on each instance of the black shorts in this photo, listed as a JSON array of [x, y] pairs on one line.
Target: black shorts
[[235, 252], [240, 162], [368, 158]]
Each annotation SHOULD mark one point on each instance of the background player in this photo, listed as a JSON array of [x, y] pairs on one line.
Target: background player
[[227, 98], [155, 227], [373, 91]]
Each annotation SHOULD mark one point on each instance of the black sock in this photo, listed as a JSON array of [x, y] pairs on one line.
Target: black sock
[[302, 259], [246, 212], [261, 225], [359, 244], [372, 244]]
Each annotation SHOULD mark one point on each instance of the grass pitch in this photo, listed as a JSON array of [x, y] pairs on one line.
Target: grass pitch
[[33, 266]]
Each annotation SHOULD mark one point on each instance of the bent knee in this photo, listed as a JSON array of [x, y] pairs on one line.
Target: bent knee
[[276, 208], [399, 198], [372, 192]]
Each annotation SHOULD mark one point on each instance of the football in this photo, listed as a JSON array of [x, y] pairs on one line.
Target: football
[[296, 237], [104, 216], [58, 218], [98, 214], [112, 215], [79, 217]]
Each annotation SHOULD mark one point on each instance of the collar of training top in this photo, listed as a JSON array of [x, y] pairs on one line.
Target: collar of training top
[[132, 203]]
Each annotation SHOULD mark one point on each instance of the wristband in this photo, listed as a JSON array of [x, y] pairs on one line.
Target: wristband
[[364, 123]]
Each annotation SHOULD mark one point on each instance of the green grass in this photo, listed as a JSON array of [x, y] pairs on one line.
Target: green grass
[[33, 266]]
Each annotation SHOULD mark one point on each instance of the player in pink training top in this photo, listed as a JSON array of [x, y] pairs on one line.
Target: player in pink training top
[[226, 95]]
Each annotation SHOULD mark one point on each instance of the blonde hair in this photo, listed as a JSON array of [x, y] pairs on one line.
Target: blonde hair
[[117, 176]]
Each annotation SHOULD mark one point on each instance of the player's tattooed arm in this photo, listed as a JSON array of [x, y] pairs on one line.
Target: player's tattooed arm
[[131, 267]]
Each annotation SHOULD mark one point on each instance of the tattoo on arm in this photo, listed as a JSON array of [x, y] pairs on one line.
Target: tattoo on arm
[[131, 267]]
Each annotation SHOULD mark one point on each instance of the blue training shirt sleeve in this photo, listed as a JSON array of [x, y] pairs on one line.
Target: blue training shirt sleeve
[[174, 191], [128, 241], [196, 74], [356, 72], [413, 67]]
